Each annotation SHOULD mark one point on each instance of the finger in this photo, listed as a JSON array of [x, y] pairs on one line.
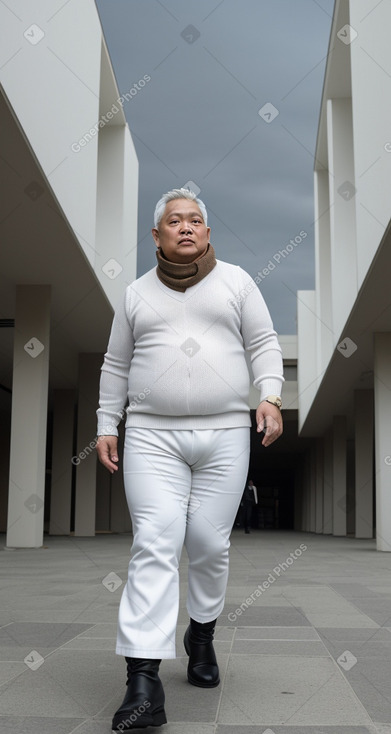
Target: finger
[[272, 430], [109, 465], [107, 455], [272, 436]]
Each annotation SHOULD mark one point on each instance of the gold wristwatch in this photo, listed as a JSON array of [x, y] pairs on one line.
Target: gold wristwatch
[[274, 400]]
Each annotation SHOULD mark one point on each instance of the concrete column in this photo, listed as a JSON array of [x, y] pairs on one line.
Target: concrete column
[[61, 488], [104, 482], [350, 489], [88, 396], [328, 484], [312, 489], [363, 433], [324, 327], [306, 493], [112, 513], [298, 509], [120, 518], [29, 417], [342, 209], [382, 379], [339, 475], [319, 486], [5, 439]]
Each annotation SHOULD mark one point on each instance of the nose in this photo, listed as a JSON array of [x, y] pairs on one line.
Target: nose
[[186, 227]]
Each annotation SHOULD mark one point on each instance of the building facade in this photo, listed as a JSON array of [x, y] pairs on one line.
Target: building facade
[[68, 228], [344, 325]]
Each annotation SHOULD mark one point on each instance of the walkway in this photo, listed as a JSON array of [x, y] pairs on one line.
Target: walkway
[[304, 643]]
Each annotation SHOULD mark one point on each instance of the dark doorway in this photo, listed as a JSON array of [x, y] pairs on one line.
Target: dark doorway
[[273, 471]]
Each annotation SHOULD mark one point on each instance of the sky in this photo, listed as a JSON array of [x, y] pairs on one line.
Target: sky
[[229, 100]]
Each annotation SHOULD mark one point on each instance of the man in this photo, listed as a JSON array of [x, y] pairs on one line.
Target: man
[[177, 353], [249, 500]]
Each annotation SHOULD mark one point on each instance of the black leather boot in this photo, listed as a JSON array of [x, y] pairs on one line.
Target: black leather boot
[[202, 669], [143, 704]]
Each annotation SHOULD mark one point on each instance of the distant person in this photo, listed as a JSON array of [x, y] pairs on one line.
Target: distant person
[[249, 501], [177, 353]]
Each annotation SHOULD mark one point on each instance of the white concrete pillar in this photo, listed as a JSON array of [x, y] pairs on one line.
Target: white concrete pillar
[[61, 486], [299, 499], [5, 438], [363, 435], [306, 494], [342, 209], [103, 498], [382, 381], [29, 417], [87, 404], [312, 489], [324, 326], [328, 484], [120, 518], [339, 475], [112, 513], [319, 486], [350, 489]]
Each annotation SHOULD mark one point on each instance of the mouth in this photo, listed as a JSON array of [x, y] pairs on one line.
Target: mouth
[[186, 241]]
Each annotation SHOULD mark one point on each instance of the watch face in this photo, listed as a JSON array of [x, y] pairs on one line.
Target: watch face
[[275, 400]]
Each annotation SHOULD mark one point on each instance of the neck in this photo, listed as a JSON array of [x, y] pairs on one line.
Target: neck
[[180, 276], [185, 260]]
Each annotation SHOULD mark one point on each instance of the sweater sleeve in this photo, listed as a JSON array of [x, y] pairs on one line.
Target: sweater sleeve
[[115, 372], [260, 339]]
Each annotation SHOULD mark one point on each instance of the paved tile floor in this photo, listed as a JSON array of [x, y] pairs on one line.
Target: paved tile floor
[[304, 642]]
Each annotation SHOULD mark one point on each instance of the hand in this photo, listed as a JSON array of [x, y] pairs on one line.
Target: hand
[[269, 417], [106, 447]]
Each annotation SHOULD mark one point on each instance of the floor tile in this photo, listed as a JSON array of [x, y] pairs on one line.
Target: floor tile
[[37, 725], [276, 633], [264, 728], [39, 634], [370, 681], [278, 655], [282, 691], [278, 647], [253, 616]]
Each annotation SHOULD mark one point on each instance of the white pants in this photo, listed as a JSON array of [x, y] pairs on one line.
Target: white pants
[[182, 487]]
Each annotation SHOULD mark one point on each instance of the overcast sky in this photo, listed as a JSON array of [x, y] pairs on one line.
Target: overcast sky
[[213, 64]]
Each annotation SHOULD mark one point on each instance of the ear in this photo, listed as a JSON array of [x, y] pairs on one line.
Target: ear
[[155, 235], [208, 233]]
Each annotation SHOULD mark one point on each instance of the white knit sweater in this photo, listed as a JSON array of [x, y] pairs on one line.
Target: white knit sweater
[[179, 358]]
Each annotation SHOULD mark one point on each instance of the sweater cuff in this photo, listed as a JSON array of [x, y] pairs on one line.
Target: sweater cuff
[[270, 387], [106, 429]]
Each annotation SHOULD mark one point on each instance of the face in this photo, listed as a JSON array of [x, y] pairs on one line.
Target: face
[[182, 234]]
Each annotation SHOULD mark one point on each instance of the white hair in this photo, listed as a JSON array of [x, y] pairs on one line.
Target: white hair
[[178, 194]]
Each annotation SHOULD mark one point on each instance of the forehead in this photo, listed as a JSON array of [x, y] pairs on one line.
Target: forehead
[[182, 206]]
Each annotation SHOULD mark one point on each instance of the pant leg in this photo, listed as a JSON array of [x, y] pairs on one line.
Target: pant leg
[[157, 482], [218, 476]]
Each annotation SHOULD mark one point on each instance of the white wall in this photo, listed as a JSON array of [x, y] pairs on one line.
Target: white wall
[[288, 343], [53, 86], [342, 212], [116, 230], [307, 368], [371, 94], [59, 88], [324, 325], [355, 137]]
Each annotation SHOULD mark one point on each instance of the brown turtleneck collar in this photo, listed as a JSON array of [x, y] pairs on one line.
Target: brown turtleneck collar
[[180, 276]]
